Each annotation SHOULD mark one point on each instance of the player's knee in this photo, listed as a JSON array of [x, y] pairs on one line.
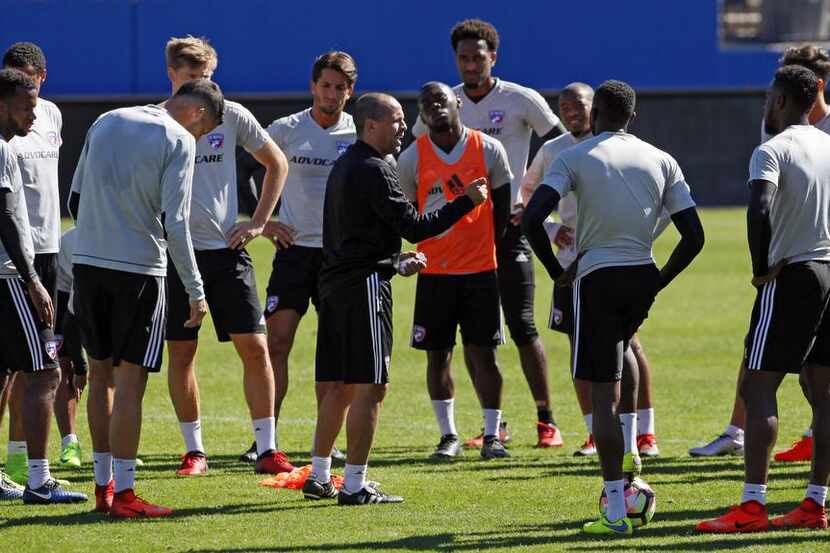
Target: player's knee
[[43, 382]]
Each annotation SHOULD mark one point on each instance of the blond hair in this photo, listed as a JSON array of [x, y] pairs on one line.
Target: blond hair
[[192, 51]]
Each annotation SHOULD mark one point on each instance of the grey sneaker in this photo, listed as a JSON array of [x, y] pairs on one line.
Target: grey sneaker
[[448, 448], [319, 490], [722, 445], [9, 489], [367, 496], [492, 448]]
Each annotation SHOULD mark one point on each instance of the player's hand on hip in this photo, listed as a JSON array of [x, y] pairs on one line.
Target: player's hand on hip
[[477, 191], [410, 263], [78, 385], [564, 237], [242, 233], [280, 234], [198, 310], [42, 302]]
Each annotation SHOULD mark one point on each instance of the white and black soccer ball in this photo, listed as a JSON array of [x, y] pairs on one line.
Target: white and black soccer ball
[[640, 502]]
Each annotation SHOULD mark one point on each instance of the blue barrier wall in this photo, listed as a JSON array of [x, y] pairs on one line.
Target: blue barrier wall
[[106, 47]]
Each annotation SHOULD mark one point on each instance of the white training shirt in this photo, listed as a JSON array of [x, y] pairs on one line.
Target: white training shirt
[[621, 185], [37, 154], [796, 161], [508, 113], [311, 151], [11, 181]]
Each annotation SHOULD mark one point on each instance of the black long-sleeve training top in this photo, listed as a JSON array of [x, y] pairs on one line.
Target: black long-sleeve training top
[[366, 214]]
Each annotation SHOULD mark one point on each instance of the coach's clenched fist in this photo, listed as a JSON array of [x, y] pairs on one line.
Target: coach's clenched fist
[[477, 191]]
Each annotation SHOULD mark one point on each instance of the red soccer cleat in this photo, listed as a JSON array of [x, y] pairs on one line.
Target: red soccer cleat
[[127, 504], [647, 445], [588, 448], [194, 463], [103, 497], [746, 517], [549, 435], [808, 514], [802, 450], [273, 462], [478, 441]]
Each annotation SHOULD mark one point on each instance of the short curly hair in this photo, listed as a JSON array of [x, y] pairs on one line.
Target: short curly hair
[[475, 29], [11, 80], [23, 54], [812, 57], [618, 98], [799, 84]]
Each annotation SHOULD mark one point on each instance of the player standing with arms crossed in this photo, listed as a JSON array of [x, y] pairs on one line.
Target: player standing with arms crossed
[[616, 278]]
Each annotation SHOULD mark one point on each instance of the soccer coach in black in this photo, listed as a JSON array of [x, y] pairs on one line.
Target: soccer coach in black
[[365, 216]]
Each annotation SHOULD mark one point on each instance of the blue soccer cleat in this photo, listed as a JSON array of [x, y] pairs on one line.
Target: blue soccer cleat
[[51, 492]]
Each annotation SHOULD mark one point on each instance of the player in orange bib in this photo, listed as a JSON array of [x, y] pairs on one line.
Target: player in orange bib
[[459, 287]]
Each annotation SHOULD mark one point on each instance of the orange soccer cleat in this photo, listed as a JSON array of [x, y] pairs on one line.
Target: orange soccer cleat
[[549, 435], [746, 517], [647, 445], [126, 504], [808, 514], [103, 497], [802, 450], [194, 463]]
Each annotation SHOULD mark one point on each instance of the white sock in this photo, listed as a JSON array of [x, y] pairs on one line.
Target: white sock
[[645, 421], [354, 478], [817, 493], [124, 474], [755, 492], [192, 434], [492, 418], [589, 422], [38, 473], [444, 410], [68, 439], [17, 447], [735, 432], [265, 434], [615, 491], [102, 466], [629, 429], [321, 469], [808, 433]]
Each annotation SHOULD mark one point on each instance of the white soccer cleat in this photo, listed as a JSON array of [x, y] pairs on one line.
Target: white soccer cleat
[[722, 445]]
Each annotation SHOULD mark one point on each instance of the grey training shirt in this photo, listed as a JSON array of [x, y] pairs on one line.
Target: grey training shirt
[[621, 185], [137, 167], [797, 162], [37, 153], [311, 151], [215, 202], [11, 180]]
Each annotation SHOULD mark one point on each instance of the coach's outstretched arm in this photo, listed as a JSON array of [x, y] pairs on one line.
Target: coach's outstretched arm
[[691, 242], [395, 209], [758, 226], [543, 201]]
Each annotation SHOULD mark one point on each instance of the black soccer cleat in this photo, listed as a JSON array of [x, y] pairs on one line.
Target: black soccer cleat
[[367, 496], [315, 490], [492, 448], [448, 448], [249, 456]]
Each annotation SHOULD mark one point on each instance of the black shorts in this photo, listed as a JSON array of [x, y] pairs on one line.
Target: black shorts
[[562, 310], [230, 291], [790, 323], [610, 304], [445, 302], [26, 344], [68, 335], [46, 267], [121, 315], [516, 285], [293, 281], [354, 334]]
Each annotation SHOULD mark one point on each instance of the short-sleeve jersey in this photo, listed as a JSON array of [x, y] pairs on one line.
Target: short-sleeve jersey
[[431, 178], [37, 154], [311, 151], [508, 113], [12, 183], [215, 203], [622, 185], [797, 162]]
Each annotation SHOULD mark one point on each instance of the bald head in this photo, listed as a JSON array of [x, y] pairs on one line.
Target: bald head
[[372, 105], [578, 90], [438, 106], [379, 121], [575, 103]]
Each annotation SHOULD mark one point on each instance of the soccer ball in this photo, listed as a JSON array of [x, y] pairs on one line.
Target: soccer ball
[[640, 502]]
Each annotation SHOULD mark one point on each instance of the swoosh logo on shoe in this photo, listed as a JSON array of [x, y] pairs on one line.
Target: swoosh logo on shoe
[[621, 527], [741, 525], [40, 495]]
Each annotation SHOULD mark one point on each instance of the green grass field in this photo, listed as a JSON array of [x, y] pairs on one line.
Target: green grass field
[[536, 501]]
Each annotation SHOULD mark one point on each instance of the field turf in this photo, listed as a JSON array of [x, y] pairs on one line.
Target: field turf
[[535, 501]]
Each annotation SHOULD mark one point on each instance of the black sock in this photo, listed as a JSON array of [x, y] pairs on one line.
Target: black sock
[[545, 415]]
